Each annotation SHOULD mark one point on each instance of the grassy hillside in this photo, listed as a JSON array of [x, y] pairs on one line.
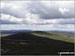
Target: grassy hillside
[[35, 43], [3, 35], [56, 35]]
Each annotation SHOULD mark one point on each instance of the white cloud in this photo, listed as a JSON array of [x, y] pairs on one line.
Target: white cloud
[[66, 21], [2, 4], [38, 15], [60, 27], [9, 18], [35, 19], [46, 9], [15, 8], [63, 10], [32, 18]]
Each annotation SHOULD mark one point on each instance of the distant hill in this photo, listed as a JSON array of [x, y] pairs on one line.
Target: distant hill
[[14, 31], [18, 31], [35, 43]]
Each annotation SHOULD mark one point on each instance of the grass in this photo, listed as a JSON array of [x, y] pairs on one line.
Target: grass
[[37, 49], [56, 37], [38, 43], [3, 35]]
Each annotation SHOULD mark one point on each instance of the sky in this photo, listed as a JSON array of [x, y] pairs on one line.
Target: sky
[[37, 15]]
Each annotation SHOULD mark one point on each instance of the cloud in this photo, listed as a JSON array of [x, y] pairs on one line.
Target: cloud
[[35, 19], [66, 27], [10, 19], [66, 21], [30, 19], [37, 15], [58, 21], [63, 10], [45, 9], [15, 8]]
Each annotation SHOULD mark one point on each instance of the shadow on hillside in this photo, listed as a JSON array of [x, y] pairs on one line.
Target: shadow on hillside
[[29, 44]]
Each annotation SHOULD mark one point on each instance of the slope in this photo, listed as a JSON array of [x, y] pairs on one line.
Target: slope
[[30, 44]]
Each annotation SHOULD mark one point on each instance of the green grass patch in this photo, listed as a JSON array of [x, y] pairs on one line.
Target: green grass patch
[[56, 37]]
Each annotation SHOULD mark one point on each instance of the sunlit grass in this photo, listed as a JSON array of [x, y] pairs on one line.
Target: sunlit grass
[[3, 35], [56, 37]]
